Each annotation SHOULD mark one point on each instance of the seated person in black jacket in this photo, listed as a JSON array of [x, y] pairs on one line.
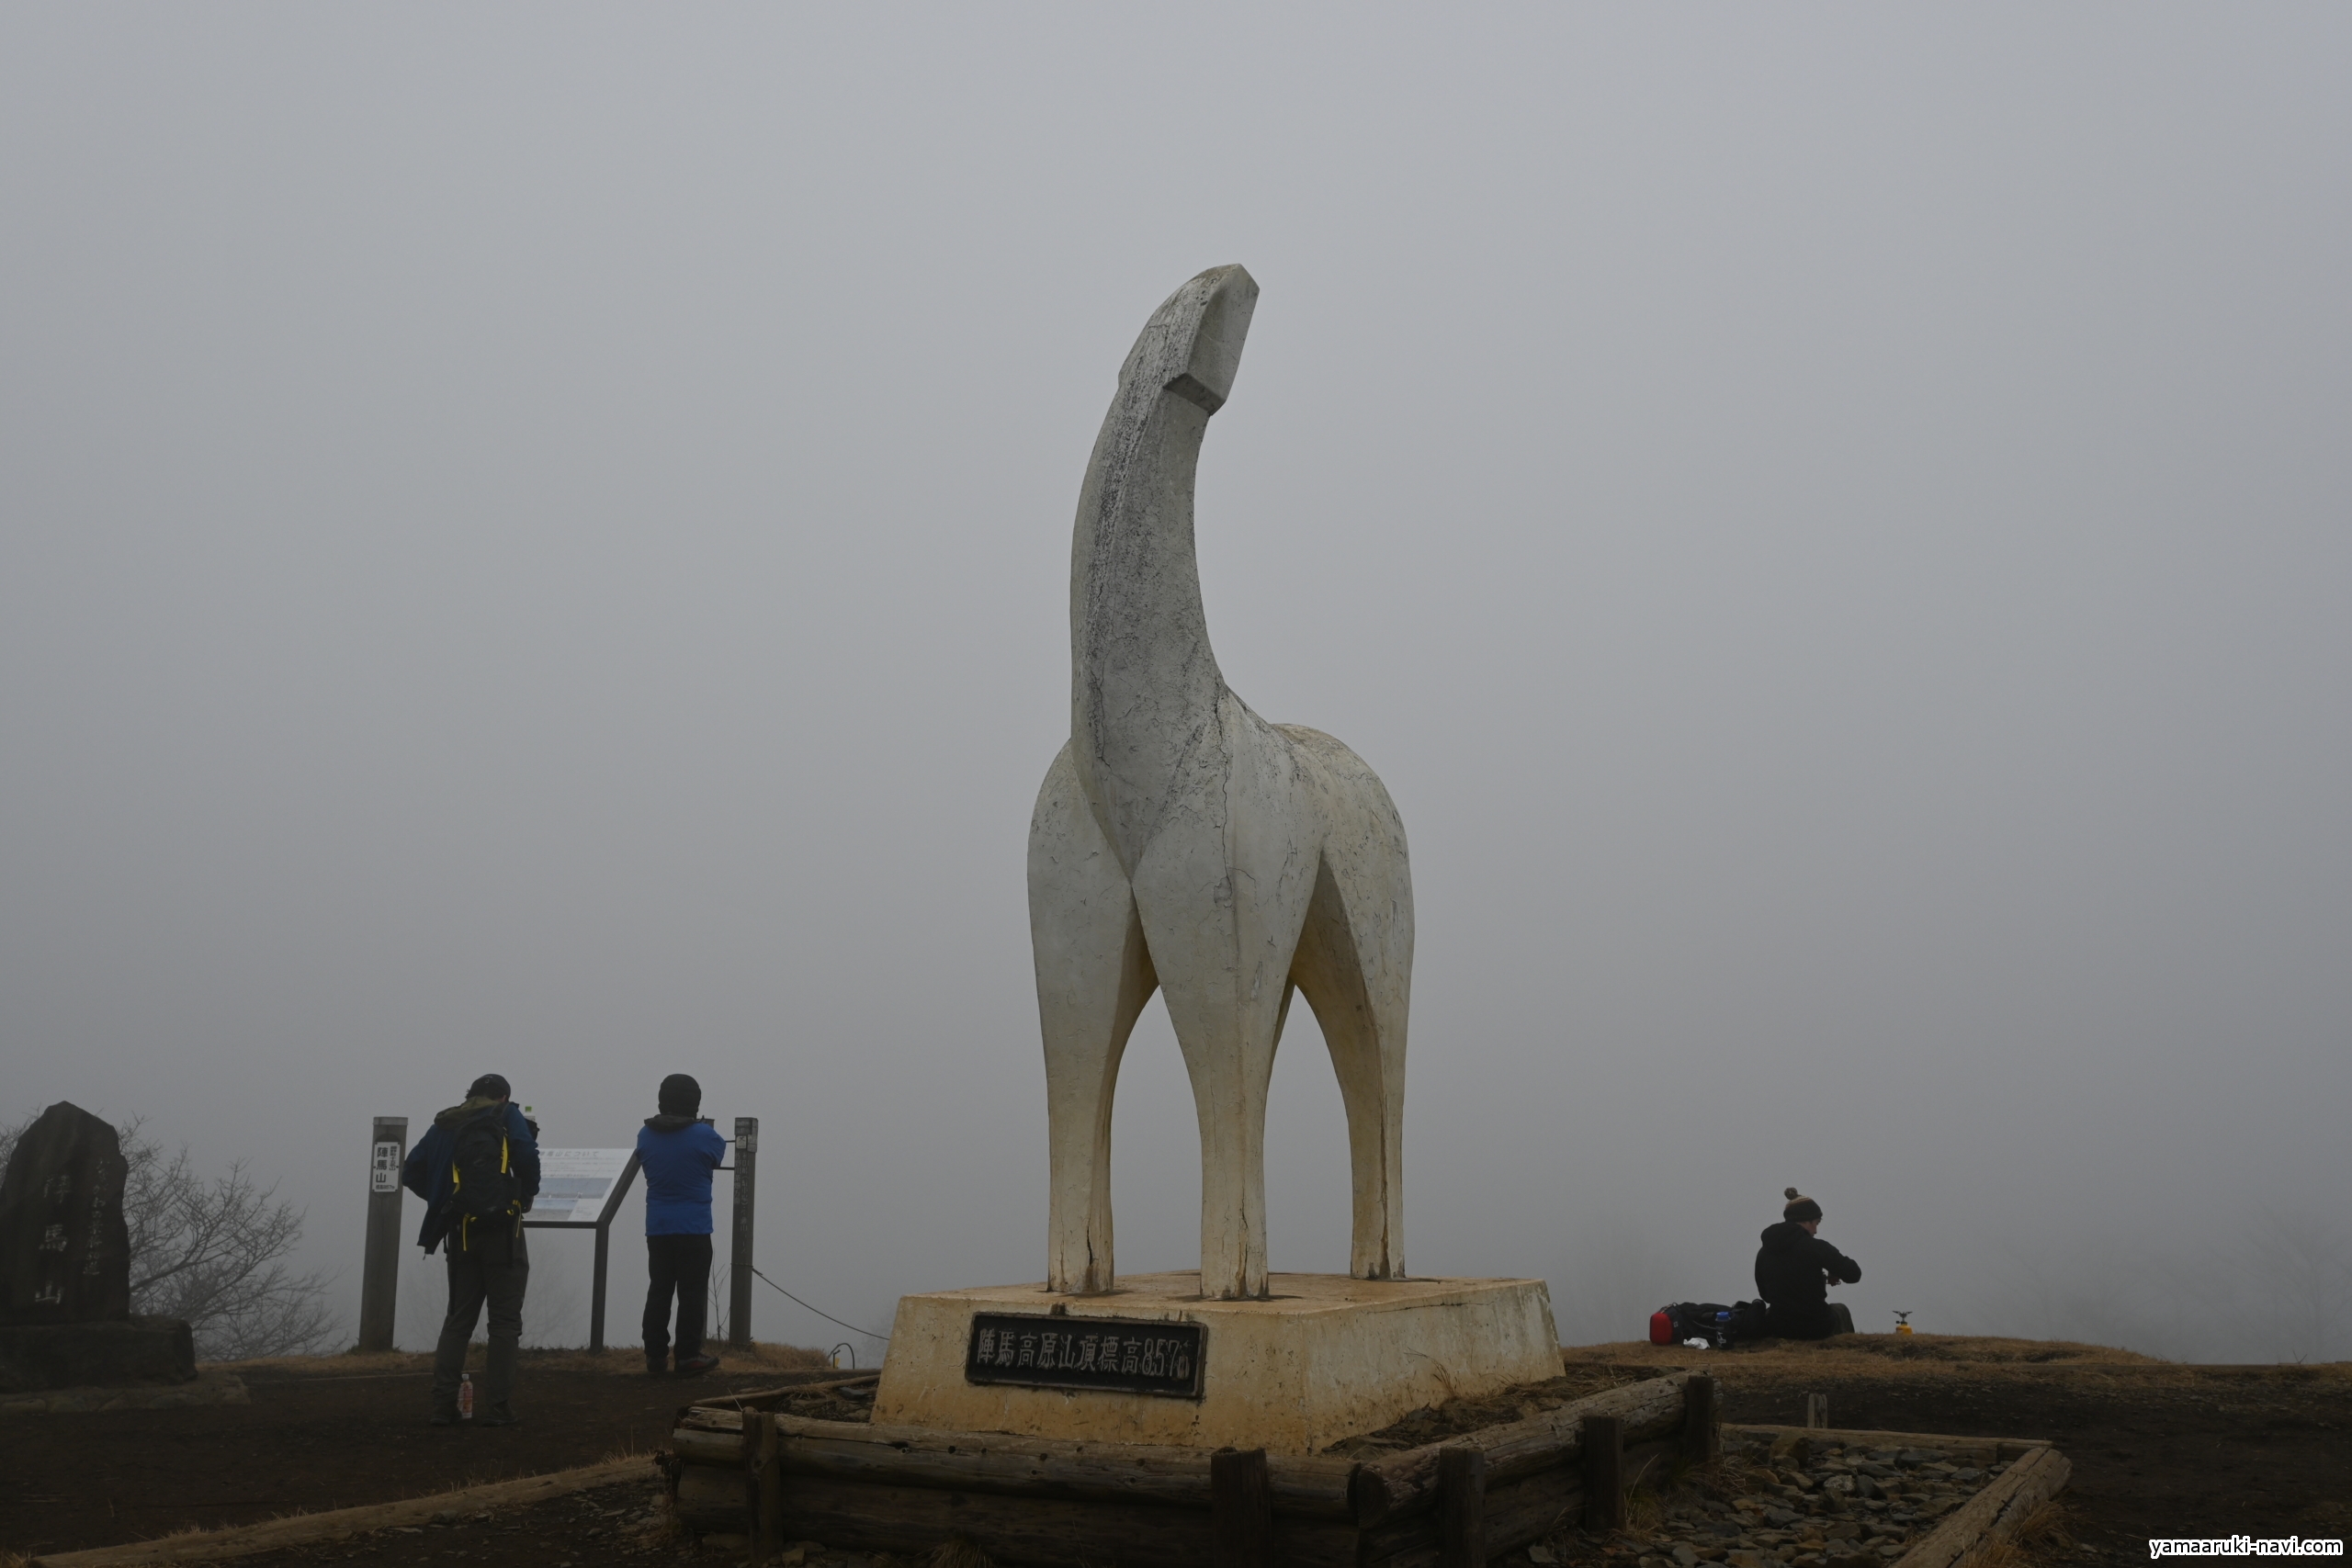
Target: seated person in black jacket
[[1793, 1271]]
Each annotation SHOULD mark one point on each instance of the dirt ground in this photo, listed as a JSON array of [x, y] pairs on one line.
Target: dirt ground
[[2159, 1449], [331, 1432]]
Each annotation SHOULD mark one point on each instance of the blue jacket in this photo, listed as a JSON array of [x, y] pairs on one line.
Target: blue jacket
[[678, 1154], [427, 1171]]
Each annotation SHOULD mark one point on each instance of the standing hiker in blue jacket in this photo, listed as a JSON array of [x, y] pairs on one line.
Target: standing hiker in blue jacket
[[678, 1152], [477, 1168]]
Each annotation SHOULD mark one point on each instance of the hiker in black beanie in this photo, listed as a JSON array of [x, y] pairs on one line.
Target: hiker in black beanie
[[1794, 1269], [678, 1152]]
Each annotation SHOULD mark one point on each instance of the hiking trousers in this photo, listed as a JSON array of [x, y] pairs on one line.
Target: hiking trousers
[[679, 1266], [495, 1271], [1808, 1320]]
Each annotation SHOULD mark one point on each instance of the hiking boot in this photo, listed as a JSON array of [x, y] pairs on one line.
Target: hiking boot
[[657, 1366], [499, 1415], [695, 1366], [443, 1416]]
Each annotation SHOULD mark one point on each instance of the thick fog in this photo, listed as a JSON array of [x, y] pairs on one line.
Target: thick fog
[[535, 539]]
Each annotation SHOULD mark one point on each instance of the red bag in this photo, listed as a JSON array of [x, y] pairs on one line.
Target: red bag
[[1661, 1328]]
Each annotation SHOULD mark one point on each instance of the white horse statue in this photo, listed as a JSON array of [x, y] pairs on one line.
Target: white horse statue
[[1183, 843]]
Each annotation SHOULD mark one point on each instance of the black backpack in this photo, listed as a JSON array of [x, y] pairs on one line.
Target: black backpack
[[1718, 1324], [1747, 1322], [484, 1185]]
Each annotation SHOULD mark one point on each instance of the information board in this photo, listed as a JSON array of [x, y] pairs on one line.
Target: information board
[[575, 1183]]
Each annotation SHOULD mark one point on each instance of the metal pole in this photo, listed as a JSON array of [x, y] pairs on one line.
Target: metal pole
[[739, 1291], [379, 1277], [597, 1291]]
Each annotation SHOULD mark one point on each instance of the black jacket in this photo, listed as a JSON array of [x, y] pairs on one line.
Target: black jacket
[[1790, 1265]]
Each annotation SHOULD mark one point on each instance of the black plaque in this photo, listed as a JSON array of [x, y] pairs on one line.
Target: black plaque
[[1116, 1354]]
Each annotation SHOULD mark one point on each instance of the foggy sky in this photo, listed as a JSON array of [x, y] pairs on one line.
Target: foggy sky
[[535, 539]]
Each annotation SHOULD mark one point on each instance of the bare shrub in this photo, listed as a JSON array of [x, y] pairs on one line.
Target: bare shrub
[[213, 1253], [2301, 1256]]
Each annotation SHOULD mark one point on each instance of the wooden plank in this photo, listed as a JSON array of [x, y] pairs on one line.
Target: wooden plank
[[1053, 1532], [1533, 1506], [720, 1448], [711, 1498], [1409, 1541], [709, 1419], [769, 1398], [1518, 1514], [1311, 1486], [1462, 1507], [765, 1524], [1701, 1423], [301, 1530], [1241, 1509], [1816, 1411], [1980, 1525], [1604, 1472], [1393, 1485]]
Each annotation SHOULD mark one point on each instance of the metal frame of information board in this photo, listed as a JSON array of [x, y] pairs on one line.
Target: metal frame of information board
[[601, 1224]]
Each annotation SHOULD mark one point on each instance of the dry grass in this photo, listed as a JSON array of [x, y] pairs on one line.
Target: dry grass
[[960, 1554], [351, 1363], [619, 1360], [1933, 1363], [1861, 1355]]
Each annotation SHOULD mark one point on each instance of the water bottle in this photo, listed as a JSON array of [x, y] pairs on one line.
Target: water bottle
[[464, 1396]]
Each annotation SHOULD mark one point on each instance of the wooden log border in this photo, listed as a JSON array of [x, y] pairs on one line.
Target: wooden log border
[[896, 1488], [1394, 1486], [769, 1398], [1993, 1515], [772, 1476], [1241, 1509]]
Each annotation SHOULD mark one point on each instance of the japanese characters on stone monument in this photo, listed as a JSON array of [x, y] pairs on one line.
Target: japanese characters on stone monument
[[62, 1239], [65, 1317], [1181, 845]]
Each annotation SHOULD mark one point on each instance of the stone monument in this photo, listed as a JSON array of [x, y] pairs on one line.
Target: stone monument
[[1182, 844], [65, 1317]]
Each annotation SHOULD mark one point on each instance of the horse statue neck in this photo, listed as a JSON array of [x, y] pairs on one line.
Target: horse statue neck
[[1144, 687]]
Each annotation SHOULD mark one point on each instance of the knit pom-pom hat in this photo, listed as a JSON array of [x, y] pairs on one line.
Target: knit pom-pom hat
[[1800, 1208]]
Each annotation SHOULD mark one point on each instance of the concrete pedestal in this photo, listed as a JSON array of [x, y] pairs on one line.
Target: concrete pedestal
[[1327, 1358]]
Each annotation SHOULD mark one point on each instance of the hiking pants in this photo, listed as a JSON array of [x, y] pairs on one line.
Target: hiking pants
[[678, 1264], [1808, 1320], [495, 1269]]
